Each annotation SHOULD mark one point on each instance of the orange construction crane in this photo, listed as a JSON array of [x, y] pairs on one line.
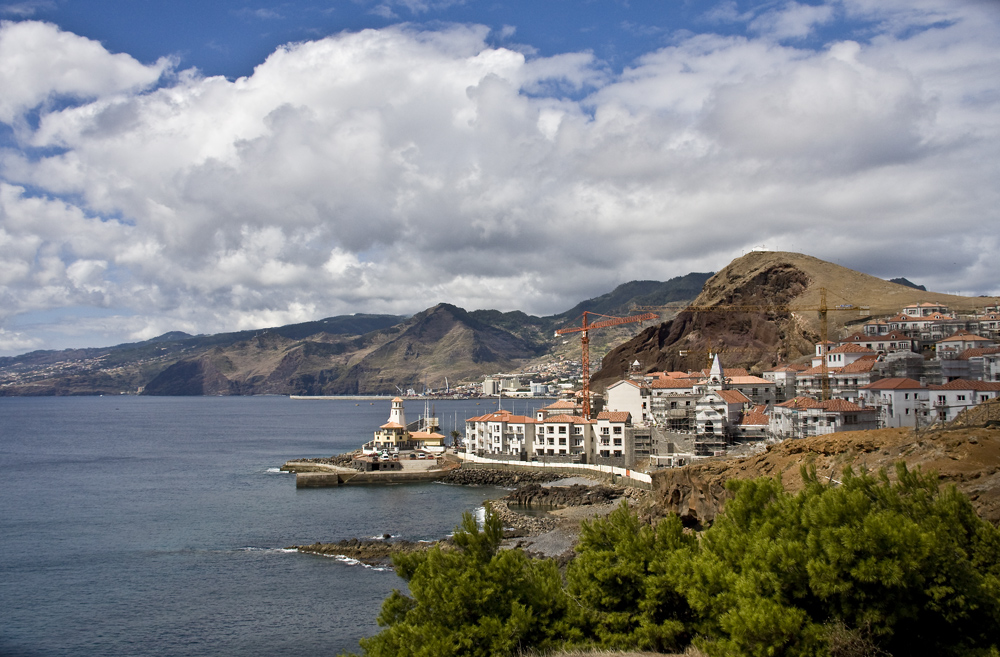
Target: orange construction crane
[[585, 329]]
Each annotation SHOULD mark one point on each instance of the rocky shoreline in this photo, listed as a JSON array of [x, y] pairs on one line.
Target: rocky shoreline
[[591, 501]]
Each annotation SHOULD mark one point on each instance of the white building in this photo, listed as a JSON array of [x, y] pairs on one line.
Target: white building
[[954, 397], [901, 402], [804, 416], [629, 396], [500, 432]]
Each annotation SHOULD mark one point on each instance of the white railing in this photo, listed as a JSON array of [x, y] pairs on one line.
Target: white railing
[[628, 473]]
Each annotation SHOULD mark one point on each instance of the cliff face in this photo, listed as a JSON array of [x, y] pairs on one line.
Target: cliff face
[[966, 456]]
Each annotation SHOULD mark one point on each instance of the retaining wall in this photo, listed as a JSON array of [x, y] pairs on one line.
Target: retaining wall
[[612, 474]]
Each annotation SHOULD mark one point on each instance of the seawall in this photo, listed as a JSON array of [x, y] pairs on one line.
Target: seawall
[[329, 479]]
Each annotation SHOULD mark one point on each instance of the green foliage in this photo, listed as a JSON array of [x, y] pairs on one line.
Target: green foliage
[[868, 567], [623, 582], [475, 600], [910, 565]]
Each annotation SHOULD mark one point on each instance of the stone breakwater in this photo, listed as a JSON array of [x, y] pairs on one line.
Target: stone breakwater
[[501, 478]]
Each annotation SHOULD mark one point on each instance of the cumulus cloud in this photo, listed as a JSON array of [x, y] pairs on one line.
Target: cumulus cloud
[[387, 170]]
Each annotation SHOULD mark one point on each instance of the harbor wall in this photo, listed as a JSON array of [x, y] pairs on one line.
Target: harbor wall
[[613, 474]]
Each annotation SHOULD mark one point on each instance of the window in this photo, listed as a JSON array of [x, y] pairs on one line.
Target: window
[[562, 429], [618, 430], [618, 442], [605, 431]]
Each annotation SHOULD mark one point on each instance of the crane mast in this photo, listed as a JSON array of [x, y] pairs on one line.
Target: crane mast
[[584, 330]]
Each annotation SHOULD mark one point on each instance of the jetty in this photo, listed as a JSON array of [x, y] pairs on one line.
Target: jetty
[[309, 474]]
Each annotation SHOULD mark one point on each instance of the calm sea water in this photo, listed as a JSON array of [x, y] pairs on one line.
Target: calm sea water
[[155, 526]]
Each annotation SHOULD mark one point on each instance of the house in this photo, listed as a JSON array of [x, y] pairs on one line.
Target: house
[[959, 342], [953, 397], [804, 416], [759, 390], [901, 402], [848, 367], [500, 432], [925, 309], [629, 396], [614, 439], [565, 436], [672, 403], [888, 343], [754, 424], [718, 413]]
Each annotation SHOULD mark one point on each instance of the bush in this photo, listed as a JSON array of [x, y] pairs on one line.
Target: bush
[[869, 567]]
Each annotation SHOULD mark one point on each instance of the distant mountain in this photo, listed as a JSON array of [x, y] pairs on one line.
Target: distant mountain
[[754, 339], [623, 298], [350, 354], [903, 281]]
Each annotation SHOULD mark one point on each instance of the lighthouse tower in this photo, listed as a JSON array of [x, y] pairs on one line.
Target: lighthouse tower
[[396, 414]]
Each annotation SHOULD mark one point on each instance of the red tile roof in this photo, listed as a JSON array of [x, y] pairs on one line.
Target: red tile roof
[[895, 383], [860, 366], [754, 418], [851, 349], [799, 403], [733, 397], [615, 416], [671, 383], [839, 406], [975, 352], [963, 384]]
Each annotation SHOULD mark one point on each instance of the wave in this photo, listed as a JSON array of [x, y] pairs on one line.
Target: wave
[[276, 471], [274, 550], [350, 561]]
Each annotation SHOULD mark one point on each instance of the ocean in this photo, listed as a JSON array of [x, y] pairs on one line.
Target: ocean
[[158, 525]]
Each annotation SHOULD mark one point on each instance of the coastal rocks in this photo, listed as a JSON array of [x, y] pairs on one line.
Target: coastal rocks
[[369, 551], [517, 524], [534, 495], [496, 477]]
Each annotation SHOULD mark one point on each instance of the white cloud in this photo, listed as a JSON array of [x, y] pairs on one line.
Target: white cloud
[[387, 170], [792, 20], [39, 63]]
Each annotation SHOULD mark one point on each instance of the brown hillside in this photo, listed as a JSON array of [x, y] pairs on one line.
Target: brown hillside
[[962, 454], [786, 288]]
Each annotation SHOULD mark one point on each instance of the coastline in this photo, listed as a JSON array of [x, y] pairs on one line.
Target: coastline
[[553, 534]]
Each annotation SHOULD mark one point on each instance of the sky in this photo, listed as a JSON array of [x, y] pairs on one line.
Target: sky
[[209, 167]]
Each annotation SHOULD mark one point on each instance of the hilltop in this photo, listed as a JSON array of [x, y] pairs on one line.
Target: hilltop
[[753, 334]]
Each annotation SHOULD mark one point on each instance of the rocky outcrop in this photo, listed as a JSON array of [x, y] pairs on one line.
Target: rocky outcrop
[[517, 524], [370, 551], [537, 496]]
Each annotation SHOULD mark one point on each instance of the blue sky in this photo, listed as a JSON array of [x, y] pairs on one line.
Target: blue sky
[[220, 166]]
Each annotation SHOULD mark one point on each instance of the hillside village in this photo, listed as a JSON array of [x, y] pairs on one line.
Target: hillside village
[[921, 366]]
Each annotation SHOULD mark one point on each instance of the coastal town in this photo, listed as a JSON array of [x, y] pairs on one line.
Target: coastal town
[[921, 366]]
